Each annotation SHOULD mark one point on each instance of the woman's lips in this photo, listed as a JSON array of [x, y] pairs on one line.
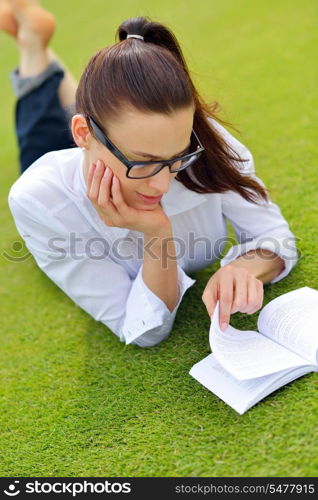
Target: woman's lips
[[149, 199]]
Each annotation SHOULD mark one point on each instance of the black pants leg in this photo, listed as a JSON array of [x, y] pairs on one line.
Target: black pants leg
[[41, 122]]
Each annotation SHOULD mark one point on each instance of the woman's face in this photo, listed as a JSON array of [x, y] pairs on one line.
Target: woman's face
[[143, 137]]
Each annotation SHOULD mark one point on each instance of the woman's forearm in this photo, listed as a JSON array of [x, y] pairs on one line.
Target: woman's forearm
[[263, 264], [160, 272]]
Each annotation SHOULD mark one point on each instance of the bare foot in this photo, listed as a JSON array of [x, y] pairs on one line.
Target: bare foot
[[7, 21], [32, 21]]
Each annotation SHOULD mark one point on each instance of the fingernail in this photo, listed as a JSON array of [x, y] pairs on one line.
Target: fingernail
[[224, 326], [106, 172]]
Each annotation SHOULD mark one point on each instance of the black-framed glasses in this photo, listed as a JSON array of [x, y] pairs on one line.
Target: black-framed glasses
[[143, 169]]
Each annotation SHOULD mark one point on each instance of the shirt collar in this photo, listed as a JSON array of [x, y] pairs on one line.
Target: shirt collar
[[180, 199], [177, 200]]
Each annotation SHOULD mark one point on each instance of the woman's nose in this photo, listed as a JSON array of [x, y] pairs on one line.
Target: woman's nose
[[160, 182]]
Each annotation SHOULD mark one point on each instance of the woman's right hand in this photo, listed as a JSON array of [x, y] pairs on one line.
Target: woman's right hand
[[104, 191]]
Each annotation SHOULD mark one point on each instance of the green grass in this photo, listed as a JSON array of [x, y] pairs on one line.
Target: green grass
[[77, 402]]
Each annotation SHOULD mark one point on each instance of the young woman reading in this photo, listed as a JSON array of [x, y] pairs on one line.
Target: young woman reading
[[118, 208]]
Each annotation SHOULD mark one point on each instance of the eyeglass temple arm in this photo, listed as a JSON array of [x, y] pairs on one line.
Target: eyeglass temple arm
[[107, 142]]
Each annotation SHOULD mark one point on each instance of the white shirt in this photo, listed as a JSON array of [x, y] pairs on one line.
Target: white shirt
[[100, 267]]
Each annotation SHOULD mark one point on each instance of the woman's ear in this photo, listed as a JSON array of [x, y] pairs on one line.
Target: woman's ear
[[80, 131]]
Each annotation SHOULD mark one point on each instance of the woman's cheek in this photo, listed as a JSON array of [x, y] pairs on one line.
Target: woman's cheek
[[101, 153], [126, 188]]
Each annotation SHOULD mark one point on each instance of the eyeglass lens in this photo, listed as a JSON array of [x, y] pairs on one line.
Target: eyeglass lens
[[138, 171]]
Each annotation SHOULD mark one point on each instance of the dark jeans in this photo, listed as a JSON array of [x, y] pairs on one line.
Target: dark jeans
[[41, 122]]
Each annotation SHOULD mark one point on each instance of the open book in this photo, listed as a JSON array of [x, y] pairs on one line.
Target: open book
[[246, 366]]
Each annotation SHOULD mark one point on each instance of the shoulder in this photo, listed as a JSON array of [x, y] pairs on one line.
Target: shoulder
[[48, 182]]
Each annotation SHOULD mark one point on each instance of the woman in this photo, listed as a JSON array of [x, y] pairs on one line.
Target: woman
[[114, 228]]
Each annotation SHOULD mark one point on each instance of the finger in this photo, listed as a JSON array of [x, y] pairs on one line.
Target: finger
[[225, 293], [209, 297], [240, 299], [90, 175], [255, 294], [97, 177], [118, 199], [105, 188], [211, 306]]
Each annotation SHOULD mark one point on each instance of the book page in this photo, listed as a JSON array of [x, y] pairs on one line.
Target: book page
[[248, 354], [240, 395], [292, 321]]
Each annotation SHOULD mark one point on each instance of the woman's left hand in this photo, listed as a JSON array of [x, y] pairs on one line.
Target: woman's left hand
[[237, 290], [105, 193]]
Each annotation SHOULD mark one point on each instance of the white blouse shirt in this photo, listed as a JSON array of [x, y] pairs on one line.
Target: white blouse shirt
[[100, 267]]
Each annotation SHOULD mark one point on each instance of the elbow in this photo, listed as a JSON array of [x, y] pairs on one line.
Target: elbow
[[151, 338], [142, 337], [147, 342]]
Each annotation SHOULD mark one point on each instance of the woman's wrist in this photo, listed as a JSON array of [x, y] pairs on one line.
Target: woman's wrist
[[164, 231], [160, 266], [261, 263]]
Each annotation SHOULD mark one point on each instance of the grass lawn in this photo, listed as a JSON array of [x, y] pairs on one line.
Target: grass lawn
[[78, 402]]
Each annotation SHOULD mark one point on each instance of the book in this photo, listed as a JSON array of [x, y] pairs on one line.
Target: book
[[245, 366]]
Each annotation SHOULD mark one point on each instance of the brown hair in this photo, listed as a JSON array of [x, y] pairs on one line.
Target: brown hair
[[152, 76]]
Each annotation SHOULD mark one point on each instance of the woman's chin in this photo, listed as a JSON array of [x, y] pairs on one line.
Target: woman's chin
[[144, 206]]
